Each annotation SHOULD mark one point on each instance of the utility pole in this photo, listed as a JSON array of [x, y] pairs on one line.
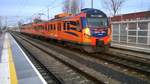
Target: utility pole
[[0, 23], [91, 3], [6, 22], [48, 13], [81, 4]]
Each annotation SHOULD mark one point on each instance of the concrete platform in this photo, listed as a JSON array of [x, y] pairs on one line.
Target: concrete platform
[[131, 47], [15, 66]]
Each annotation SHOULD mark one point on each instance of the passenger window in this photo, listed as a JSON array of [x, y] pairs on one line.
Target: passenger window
[[68, 26], [73, 23], [64, 26], [49, 27], [78, 26], [59, 27], [54, 27]]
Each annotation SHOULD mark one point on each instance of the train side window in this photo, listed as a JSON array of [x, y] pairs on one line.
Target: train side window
[[34, 28], [68, 25], [42, 28], [59, 27], [45, 27], [38, 28], [73, 23], [64, 26], [54, 27], [78, 26], [51, 27]]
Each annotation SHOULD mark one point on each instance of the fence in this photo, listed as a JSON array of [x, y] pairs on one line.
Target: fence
[[132, 33]]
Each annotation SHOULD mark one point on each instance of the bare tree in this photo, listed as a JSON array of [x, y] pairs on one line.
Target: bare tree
[[113, 6], [71, 6], [66, 6]]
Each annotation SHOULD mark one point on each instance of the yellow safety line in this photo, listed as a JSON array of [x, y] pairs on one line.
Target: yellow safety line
[[13, 75]]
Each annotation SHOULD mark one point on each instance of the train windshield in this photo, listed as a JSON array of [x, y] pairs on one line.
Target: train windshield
[[97, 22]]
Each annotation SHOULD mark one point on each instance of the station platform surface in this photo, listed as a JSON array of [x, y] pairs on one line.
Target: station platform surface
[[132, 47], [15, 66]]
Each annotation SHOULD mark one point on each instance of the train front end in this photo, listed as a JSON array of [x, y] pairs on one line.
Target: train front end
[[96, 31]]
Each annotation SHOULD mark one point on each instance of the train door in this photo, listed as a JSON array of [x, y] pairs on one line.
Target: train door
[[59, 31], [85, 32], [73, 30]]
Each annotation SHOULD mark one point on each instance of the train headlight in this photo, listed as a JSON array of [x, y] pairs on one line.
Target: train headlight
[[87, 31]]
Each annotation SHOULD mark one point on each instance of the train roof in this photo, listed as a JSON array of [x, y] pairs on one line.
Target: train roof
[[90, 11], [132, 16]]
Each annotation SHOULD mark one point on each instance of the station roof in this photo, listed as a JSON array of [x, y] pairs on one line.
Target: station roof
[[132, 16]]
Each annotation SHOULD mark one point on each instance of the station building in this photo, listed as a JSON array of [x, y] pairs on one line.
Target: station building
[[132, 31]]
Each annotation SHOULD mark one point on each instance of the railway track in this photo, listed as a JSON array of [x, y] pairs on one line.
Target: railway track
[[136, 55], [138, 65], [49, 77], [104, 56], [60, 72]]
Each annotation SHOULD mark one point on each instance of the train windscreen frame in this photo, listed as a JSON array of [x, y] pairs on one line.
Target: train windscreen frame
[[97, 22]]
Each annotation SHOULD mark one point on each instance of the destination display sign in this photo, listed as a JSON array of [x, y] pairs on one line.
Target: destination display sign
[[96, 16]]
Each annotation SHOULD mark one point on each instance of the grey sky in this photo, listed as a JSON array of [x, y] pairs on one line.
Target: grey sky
[[26, 8]]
